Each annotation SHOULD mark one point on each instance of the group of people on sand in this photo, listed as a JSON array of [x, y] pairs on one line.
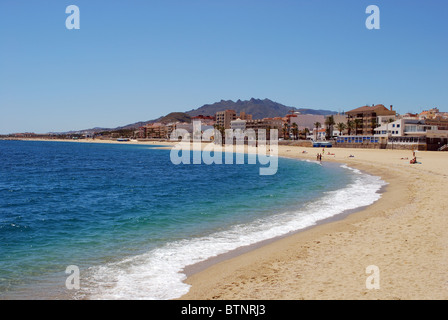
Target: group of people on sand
[[319, 156]]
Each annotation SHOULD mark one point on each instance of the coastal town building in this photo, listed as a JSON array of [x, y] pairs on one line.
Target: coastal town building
[[245, 116], [429, 114], [405, 133], [256, 124], [339, 118], [404, 127], [440, 122], [317, 134], [265, 123], [163, 130], [409, 115], [224, 118], [307, 121], [384, 119], [238, 124], [366, 119], [157, 130], [437, 140], [205, 120]]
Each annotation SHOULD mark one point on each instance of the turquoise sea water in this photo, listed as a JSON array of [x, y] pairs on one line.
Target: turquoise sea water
[[131, 220]]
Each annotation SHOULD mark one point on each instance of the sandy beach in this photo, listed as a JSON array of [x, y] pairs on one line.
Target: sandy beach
[[403, 234]]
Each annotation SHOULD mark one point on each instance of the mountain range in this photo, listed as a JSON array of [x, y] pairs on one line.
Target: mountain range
[[258, 108]]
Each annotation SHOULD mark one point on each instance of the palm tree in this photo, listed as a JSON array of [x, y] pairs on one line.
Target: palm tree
[[295, 131], [350, 126], [358, 124], [306, 132], [220, 129], [317, 125], [285, 131], [329, 123], [341, 127]]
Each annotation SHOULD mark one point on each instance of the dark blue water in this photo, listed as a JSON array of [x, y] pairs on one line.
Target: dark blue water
[[120, 212]]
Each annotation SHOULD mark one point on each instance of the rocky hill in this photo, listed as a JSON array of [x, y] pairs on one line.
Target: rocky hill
[[258, 108]]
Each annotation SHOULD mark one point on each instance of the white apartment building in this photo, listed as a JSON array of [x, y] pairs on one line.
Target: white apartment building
[[404, 127]]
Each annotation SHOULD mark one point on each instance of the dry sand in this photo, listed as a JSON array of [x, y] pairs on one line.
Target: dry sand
[[404, 234]]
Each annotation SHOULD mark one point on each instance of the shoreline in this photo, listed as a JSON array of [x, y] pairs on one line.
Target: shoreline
[[403, 233], [193, 269], [329, 260]]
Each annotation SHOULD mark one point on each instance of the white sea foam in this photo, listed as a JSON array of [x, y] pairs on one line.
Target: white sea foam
[[157, 274]]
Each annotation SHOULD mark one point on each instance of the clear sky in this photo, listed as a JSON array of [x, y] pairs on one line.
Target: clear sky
[[136, 60]]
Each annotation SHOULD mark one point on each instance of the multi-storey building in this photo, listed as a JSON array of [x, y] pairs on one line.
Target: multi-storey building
[[365, 119], [223, 118]]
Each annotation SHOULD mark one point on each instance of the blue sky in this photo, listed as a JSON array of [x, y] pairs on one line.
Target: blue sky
[[136, 60]]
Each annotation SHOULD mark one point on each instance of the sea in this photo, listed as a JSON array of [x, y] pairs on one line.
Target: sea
[[121, 221]]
